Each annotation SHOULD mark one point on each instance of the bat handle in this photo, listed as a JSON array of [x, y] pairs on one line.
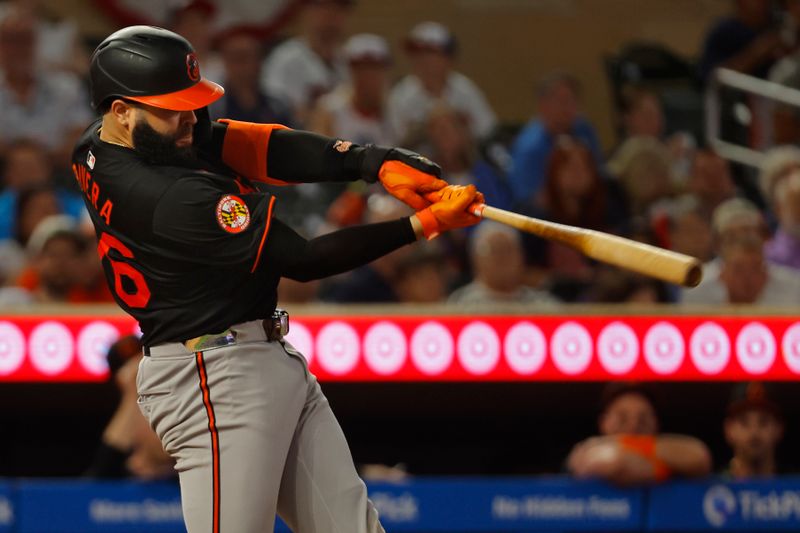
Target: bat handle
[[477, 209]]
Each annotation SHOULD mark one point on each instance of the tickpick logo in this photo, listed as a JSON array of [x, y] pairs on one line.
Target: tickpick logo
[[719, 504]]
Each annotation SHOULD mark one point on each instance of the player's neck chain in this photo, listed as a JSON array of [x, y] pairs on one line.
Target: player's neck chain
[[111, 141], [116, 143]]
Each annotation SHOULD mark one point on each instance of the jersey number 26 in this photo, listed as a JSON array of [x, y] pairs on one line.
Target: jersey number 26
[[141, 295]]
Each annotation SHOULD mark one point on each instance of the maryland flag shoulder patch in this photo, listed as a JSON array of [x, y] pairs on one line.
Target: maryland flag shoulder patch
[[233, 215]]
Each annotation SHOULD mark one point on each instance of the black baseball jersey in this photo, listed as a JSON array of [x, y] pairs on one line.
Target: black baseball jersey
[[192, 251], [181, 248]]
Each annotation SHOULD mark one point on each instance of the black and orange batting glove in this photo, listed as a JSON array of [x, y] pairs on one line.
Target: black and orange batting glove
[[452, 210], [404, 174], [436, 196]]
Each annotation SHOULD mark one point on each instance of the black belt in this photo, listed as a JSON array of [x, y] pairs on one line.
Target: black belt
[[275, 328]]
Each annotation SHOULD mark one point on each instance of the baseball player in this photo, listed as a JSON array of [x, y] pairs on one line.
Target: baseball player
[[191, 250]]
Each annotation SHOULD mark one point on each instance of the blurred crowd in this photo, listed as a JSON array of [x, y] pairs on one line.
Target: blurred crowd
[[658, 184]]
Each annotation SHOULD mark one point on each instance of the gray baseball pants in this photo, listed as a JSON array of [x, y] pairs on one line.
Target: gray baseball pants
[[252, 435]]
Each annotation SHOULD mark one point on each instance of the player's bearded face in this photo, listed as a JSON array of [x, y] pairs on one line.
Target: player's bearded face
[[164, 148]]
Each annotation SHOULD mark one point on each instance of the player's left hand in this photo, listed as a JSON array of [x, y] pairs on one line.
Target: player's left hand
[[409, 176]]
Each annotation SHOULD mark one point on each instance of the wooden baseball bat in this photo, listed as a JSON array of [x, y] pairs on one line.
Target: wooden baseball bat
[[618, 251]]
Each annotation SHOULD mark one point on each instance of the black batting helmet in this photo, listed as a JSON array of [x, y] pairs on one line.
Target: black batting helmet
[[150, 65]]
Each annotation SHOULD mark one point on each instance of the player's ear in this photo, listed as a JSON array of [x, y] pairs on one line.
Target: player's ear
[[122, 112]]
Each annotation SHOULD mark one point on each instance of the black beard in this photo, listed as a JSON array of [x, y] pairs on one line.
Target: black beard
[[160, 149]]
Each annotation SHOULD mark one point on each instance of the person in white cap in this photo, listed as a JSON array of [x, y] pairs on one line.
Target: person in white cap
[[432, 50], [54, 251], [356, 110], [303, 68], [742, 273]]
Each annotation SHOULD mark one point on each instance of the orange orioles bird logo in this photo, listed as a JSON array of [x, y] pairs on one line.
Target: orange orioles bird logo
[[192, 67], [232, 214]]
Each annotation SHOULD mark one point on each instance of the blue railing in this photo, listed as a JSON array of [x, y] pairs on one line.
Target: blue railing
[[434, 504]]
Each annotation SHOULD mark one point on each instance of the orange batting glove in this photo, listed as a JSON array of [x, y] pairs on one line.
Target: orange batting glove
[[409, 176], [450, 211], [436, 196]]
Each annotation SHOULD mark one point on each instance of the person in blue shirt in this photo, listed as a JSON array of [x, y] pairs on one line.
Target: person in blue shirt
[[27, 165], [558, 113]]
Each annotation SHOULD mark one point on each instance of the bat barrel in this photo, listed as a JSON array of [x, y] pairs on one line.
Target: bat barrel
[[652, 261], [694, 275], [618, 251]]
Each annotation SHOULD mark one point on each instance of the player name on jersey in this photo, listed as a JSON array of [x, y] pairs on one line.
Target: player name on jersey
[[92, 190]]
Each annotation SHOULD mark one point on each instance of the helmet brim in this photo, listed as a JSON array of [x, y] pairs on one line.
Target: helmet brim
[[201, 94]]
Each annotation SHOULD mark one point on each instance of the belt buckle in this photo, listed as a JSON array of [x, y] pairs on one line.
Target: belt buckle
[[279, 324]]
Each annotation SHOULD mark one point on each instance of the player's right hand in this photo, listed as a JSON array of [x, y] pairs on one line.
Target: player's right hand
[[408, 176], [450, 211]]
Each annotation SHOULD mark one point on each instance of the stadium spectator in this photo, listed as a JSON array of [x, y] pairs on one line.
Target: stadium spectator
[[38, 218], [644, 169], [242, 55], [733, 219], [47, 106], [375, 282], [780, 182], [92, 285], [498, 265], [58, 43], [30, 207], [34, 204], [303, 68], [753, 429], [27, 165], [613, 285], [748, 279], [57, 264], [196, 21], [630, 449], [56, 251], [746, 40], [643, 116], [745, 277], [689, 229], [447, 141], [710, 181], [431, 49], [420, 275], [128, 447], [573, 193], [356, 110], [558, 113]]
